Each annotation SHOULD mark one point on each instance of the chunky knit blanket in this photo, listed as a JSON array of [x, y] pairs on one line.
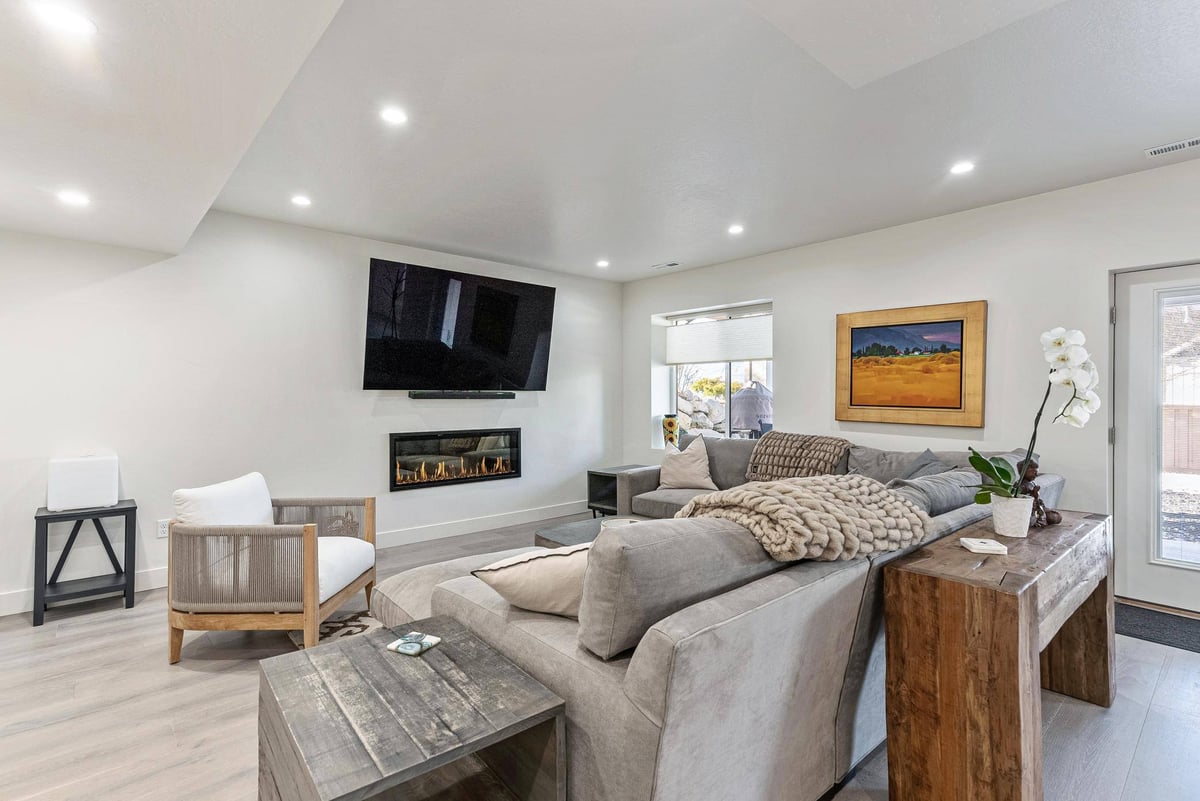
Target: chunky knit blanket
[[782, 454], [826, 518]]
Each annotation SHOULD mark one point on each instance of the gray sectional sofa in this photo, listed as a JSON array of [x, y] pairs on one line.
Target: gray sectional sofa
[[699, 668]]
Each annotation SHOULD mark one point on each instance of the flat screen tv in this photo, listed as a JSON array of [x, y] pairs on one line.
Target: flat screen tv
[[430, 329]]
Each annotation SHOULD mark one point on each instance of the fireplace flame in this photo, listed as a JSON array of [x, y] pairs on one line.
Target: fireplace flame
[[448, 471]]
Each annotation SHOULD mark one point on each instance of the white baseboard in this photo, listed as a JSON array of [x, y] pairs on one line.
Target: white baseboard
[[17, 601], [436, 531]]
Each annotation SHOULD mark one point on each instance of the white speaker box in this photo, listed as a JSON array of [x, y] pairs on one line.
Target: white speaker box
[[81, 483]]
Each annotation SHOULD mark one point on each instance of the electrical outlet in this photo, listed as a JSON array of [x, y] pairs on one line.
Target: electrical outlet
[[164, 528]]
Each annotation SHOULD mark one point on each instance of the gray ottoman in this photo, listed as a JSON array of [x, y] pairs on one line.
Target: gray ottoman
[[404, 597]]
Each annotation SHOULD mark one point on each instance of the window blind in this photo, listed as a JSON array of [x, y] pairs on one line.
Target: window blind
[[733, 340]]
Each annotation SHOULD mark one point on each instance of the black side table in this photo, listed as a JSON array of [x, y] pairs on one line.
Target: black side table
[[602, 488], [120, 580]]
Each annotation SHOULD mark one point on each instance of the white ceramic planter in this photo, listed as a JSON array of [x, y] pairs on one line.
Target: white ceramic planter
[[1010, 516]]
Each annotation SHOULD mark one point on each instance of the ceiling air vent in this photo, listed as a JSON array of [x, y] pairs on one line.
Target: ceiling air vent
[[666, 265], [1174, 147]]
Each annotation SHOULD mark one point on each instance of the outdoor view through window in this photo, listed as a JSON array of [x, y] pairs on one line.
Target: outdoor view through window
[[705, 394]]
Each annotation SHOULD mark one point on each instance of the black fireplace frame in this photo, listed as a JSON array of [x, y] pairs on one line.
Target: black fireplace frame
[[515, 459]]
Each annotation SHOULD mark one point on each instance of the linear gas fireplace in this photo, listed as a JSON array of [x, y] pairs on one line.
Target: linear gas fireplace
[[435, 458]]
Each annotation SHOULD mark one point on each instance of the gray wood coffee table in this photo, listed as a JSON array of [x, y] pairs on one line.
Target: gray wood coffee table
[[350, 720], [574, 533]]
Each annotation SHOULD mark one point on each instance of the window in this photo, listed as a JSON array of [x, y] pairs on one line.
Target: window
[[722, 371]]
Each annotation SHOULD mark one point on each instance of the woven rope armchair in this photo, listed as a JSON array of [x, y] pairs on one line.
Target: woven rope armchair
[[223, 578]]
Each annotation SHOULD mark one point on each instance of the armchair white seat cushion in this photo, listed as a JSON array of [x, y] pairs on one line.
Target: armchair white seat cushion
[[340, 560], [243, 501]]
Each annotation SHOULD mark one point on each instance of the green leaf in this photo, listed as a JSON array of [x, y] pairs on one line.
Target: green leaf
[[981, 464], [1004, 470], [983, 497]]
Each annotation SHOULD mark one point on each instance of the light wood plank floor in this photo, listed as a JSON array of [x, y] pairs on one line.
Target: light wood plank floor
[[90, 709]]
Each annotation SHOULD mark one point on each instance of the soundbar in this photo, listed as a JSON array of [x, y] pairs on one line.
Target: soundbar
[[436, 394]]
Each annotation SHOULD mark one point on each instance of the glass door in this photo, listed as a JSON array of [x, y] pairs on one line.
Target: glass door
[[1156, 448]]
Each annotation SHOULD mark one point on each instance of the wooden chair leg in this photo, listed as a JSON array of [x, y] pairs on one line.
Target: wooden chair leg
[[176, 644], [369, 589], [312, 626]]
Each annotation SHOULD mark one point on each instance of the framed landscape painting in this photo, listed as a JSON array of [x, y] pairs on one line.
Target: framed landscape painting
[[922, 364]]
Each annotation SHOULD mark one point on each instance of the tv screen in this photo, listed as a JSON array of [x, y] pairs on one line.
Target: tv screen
[[431, 329]]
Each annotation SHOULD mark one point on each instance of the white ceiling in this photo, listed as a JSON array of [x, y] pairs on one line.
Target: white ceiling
[[149, 116], [554, 134], [864, 40]]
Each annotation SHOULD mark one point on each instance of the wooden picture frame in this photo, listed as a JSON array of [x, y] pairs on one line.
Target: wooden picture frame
[[905, 367]]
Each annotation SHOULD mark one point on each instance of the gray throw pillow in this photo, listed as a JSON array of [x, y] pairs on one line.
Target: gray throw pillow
[[926, 464], [915, 495], [878, 464], [944, 492]]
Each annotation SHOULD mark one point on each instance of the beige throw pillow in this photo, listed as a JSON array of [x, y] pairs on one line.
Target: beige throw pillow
[[549, 581], [686, 469]]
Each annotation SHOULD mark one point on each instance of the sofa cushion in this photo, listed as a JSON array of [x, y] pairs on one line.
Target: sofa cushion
[[942, 492], [687, 468], [243, 501], [926, 464], [340, 560], [549, 581], [664, 502], [728, 459], [404, 597], [637, 575]]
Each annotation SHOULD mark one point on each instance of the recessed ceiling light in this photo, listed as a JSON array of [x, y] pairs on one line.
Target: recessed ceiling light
[[962, 168], [736, 229], [393, 115], [63, 19], [602, 263], [73, 197], [302, 200]]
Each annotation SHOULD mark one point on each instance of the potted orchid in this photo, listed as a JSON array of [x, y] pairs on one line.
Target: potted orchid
[[1071, 367]]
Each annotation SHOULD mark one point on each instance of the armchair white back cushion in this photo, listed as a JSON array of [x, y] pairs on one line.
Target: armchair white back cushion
[[243, 501]]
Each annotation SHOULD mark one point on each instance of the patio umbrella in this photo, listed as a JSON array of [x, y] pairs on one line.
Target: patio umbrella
[[751, 404]]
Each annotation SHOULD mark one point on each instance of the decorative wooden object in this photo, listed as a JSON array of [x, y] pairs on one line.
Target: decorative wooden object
[[349, 720], [964, 633], [973, 316]]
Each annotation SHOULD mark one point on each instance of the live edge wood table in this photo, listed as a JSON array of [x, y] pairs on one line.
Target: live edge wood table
[[968, 634], [349, 720]]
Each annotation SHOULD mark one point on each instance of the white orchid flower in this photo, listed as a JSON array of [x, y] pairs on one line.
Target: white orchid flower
[[1070, 356], [1074, 415], [1057, 339], [1093, 375], [1074, 377], [1090, 401]]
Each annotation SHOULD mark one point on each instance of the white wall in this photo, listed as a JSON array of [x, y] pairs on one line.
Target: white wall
[[244, 353], [1039, 262]]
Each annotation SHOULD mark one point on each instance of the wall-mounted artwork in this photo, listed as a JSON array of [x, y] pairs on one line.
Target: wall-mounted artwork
[[922, 364]]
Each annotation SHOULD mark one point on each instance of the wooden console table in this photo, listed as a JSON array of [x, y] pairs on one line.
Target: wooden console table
[[968, 634]]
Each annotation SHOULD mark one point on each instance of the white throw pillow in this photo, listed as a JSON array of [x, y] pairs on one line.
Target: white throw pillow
[[686, 469], [244, 501], [549, 581]]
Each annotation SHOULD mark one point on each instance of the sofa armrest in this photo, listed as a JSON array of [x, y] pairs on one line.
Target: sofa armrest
[[753, 671], [1051, 489], [632, 483]]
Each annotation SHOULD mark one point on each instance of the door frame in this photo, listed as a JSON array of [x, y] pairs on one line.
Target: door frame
[[1115, 407]]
